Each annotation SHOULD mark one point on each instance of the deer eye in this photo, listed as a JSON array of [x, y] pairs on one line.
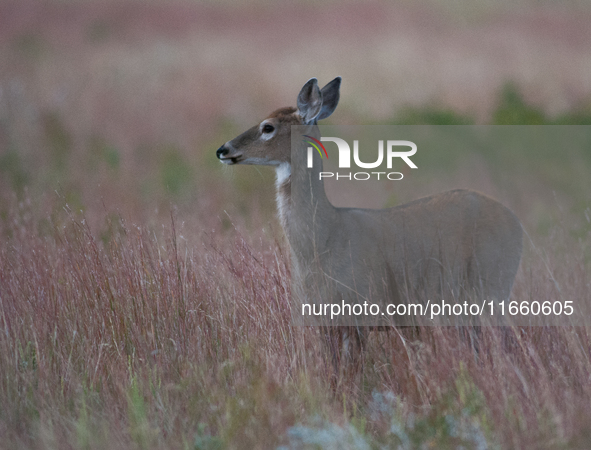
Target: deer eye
[[268, 128]]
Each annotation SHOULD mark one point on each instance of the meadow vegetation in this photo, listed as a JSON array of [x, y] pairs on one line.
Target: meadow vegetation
[[146, 305]]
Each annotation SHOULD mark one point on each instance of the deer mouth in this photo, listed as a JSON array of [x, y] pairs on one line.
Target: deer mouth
[[231, 159]]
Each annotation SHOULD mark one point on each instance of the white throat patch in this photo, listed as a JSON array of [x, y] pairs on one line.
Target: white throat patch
[[283, 173]]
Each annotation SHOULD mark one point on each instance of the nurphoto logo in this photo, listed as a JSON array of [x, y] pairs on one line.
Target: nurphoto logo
[[344, 149]]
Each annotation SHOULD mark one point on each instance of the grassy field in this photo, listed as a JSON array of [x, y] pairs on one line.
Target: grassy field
[[144, 289]]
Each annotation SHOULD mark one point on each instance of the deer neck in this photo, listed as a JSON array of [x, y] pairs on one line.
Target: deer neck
[[306, 214]]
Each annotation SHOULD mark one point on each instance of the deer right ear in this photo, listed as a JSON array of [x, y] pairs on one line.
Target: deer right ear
[[310, 101], [330, 98]]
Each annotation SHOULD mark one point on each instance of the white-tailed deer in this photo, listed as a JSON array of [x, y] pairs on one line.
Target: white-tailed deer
[[456, 241]]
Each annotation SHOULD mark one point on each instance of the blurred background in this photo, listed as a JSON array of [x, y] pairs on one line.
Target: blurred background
[[117, 107]]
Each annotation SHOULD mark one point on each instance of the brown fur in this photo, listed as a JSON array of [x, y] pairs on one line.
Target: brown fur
[[446, 245]]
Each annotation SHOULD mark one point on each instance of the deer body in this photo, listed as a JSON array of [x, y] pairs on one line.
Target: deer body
[[454, 241]]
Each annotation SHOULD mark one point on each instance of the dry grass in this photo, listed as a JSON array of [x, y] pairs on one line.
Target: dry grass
[[143, 340]]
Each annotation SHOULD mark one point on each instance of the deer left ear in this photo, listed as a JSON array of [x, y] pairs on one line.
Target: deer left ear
[[330, 98], [310, 101]]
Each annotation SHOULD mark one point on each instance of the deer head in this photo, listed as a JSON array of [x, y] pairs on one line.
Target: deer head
[[269, 142]]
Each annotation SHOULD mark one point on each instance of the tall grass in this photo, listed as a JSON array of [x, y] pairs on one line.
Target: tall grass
[[145, 341], [142, 339]]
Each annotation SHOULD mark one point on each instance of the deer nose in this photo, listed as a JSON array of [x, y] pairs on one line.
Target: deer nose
[[222, 151]]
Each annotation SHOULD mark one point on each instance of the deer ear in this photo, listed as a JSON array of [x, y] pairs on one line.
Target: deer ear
[[330, 98], [310, 101]]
